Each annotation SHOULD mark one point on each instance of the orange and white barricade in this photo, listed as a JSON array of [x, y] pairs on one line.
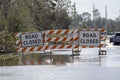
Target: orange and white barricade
[[65, 37]]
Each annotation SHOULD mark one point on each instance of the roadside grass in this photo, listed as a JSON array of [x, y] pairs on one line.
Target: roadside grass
[[8, 56]]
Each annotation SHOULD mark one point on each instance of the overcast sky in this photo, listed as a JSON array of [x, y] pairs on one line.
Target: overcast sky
[[113, 7]]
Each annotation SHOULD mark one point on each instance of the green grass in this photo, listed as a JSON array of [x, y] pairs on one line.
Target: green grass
[[8, 56]]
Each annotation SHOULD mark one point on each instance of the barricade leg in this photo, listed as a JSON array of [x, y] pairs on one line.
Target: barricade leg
[[75, 52], [102, 52]]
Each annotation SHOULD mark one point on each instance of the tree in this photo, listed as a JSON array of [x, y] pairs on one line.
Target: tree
[[117, 24], [49, 14], [30, 15], [111, 25], [14, 18], [86, 19]]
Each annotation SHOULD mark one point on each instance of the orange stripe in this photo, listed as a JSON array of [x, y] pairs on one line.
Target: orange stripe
[[77, 46], [101, 45], [24, 49], [56, 39], [49, 39], [76, 38], [59, 31], [102, 30], [64, 39], [91, 46], [71, 39], [76, 31], [51, 31], [61, 47], [46, 47], [83, 46], [54, 47], [19, 43], [66, 31], [69, 46], [101, 37], [39, 48], [32, 48]]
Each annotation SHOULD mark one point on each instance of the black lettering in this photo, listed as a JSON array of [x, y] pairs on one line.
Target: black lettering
[[25, 43], [34, 41], [87, 35], [81, 40], [28, 36], [94, 35], [30, 42], [94, 41], [87, 41], [36, 36], [39, 41], [97, 41], [33, 36], [83, 34], [91, 41], [90, 35]]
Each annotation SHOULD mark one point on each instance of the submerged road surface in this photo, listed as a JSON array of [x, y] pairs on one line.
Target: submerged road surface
[[87, 66]]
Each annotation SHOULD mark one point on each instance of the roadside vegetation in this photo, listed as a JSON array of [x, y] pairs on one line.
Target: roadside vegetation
[[29, 16]]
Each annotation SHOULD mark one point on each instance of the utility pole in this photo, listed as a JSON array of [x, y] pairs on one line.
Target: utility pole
[[74, 15], [106, 26], [96, 17], [119, 15], [93, 15]]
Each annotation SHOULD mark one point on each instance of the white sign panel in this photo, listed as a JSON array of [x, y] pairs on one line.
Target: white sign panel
[[31, 39], [89, 38]]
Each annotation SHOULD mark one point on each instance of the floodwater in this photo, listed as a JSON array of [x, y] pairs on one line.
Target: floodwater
[[62, 66]]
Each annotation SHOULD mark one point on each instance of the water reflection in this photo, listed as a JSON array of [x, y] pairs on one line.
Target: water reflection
[[41, 59]]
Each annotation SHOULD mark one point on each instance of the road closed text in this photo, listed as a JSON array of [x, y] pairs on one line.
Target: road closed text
[[32, 42], [31, 39], [89, 41], [89, 38]]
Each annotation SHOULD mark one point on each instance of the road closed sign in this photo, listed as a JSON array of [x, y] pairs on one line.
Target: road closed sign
[[31, 39], [89, 38]]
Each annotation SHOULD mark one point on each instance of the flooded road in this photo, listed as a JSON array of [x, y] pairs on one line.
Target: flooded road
[[51, 72], [62, 66]]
